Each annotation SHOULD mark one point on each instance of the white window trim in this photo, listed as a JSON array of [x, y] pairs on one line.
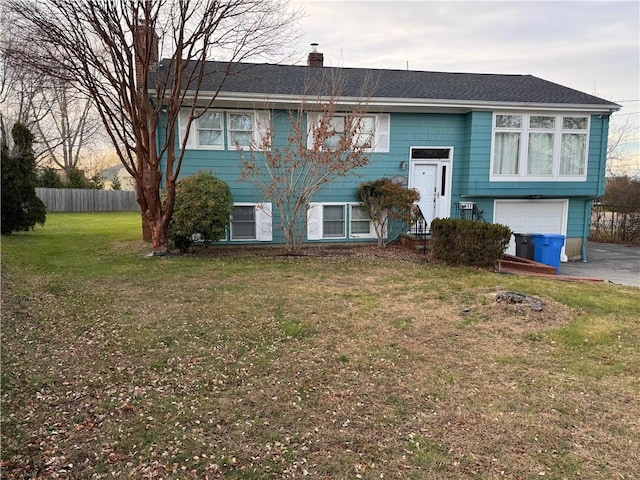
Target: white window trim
[[381, 135], [315, 222], [263, 220], [345, 220], [193, 140], [524, 131], [372, 230], [261, 123]]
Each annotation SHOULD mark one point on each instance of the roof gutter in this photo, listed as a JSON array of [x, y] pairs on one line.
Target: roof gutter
[[399, 104]]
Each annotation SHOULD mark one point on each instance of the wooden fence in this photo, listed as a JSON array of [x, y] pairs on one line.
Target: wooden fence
[[86, 200]]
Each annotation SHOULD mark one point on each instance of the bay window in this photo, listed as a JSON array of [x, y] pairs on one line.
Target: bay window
[[539, 147]]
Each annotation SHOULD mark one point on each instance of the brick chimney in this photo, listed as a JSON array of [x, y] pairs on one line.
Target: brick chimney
[[315, 59], [147, 42]]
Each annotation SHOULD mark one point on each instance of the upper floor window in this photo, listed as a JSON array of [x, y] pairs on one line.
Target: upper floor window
[[243, 129], [209, 127], [539, 147], [370, 132]]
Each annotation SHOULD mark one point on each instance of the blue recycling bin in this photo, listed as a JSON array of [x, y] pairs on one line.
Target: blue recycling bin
[[547, 248]]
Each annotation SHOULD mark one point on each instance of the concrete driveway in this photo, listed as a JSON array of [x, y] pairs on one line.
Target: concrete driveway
[[614, 263]]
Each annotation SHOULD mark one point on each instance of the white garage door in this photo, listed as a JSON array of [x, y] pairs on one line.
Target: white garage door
[[532, 216]]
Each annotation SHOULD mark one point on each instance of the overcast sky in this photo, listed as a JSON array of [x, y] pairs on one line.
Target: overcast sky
[[587, 45]]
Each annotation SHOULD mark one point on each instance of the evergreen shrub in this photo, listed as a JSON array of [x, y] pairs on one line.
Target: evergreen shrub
[[202, 210], [465, 242]]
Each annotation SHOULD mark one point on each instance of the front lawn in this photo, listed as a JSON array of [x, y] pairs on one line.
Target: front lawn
[[339, 364]]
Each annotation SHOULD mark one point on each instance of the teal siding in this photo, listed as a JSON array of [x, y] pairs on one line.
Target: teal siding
[[468, 134], [407, 130], [575, 220], [477, 181]]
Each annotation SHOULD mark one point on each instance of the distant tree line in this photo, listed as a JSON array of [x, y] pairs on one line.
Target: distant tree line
[[622, 191], [49, 178]]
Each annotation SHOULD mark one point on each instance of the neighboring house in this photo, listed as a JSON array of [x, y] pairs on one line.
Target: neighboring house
[[526, 152], [108, 175]]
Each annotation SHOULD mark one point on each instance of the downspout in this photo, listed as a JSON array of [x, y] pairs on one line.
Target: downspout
[[588, 204], [587, 226]]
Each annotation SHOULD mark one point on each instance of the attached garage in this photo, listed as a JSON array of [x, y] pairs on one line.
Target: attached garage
[[532, 216]]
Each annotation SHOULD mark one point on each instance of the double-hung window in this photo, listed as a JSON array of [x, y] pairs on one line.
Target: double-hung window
[[361, 225], [209, 127], [369, 132], [573, 150], [539, 146], [215, 129], [251, 221], [365, 132], [333, 221], [241, 129], [335, 132], [338, 220], [243, 223]]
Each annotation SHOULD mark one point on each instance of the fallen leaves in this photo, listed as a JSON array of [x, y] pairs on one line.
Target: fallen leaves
[[395, 376]]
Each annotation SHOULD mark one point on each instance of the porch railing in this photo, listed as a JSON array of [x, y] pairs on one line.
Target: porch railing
[[420, 229], [470, 211]]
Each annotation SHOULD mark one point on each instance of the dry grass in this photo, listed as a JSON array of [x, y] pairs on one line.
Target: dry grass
[[334, 365]]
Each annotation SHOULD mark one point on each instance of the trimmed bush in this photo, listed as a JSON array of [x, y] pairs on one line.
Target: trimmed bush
[[202, 210], [465, 242]]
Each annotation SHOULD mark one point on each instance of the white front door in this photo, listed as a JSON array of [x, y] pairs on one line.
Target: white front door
[[425, 180]]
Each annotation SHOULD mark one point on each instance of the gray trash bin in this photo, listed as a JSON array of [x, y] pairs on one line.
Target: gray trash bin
[[524, 245]]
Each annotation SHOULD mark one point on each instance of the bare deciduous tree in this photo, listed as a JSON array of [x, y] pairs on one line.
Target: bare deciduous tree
[[109, 48], [622, 131], [68, 126], [61, 118], [325, 141]]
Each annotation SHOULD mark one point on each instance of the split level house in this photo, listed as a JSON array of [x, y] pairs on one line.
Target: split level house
[[510, 149]]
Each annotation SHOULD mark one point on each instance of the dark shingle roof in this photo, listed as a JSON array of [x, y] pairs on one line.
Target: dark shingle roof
[[270, 79]]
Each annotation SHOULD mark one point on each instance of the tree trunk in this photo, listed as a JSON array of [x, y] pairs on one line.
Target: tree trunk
[[146, 230], [155, 221], [154, 230], [159, 238]]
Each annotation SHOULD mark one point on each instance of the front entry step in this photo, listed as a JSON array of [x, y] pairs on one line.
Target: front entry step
[[417, 241]]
